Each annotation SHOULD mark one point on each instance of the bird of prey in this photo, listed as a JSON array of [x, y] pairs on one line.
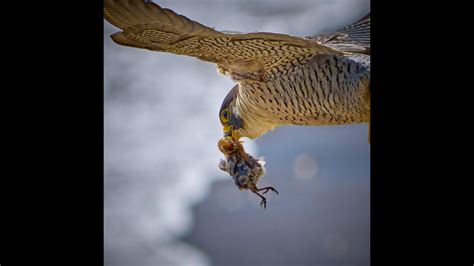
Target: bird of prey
[[323, 79]]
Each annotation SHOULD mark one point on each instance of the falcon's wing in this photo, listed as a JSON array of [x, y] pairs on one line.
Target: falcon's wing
[[258, 56], [352, 38]]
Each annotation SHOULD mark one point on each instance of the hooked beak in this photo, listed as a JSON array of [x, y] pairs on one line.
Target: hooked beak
[[230, 132]]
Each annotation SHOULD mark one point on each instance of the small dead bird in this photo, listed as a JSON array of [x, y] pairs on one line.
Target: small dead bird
[[243, 167]]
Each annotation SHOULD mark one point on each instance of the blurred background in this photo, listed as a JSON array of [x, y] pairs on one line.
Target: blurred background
[[166, 201]]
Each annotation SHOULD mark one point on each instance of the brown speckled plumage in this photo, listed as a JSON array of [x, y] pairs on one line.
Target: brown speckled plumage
[[328, 90]]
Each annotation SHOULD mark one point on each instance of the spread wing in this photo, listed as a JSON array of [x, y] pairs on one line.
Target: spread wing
[[259, 56], [352, 38]]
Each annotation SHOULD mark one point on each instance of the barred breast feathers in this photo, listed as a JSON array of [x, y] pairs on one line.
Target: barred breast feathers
[[329, 90]]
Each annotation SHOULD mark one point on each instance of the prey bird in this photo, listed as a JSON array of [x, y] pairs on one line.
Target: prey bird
[[323, 79]]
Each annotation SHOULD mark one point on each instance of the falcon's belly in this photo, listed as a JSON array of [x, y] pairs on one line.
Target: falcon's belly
[[329, 90]]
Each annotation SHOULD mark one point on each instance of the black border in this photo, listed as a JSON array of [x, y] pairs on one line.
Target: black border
[[414, 91], [54, 104], [54, 117]]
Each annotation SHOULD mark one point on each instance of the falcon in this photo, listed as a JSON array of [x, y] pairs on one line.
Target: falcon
[[323, 79]]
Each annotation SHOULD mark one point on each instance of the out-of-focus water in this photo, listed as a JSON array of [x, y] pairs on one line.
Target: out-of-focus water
[[165, 196]]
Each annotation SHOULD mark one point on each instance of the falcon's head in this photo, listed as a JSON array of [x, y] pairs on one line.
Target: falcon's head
[[230, 120]]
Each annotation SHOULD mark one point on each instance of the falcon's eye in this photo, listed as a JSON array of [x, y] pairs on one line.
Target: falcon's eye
[[225, 116]]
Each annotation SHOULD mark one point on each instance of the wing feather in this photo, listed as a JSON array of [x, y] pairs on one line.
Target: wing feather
[[352, 38], [259, 56]]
